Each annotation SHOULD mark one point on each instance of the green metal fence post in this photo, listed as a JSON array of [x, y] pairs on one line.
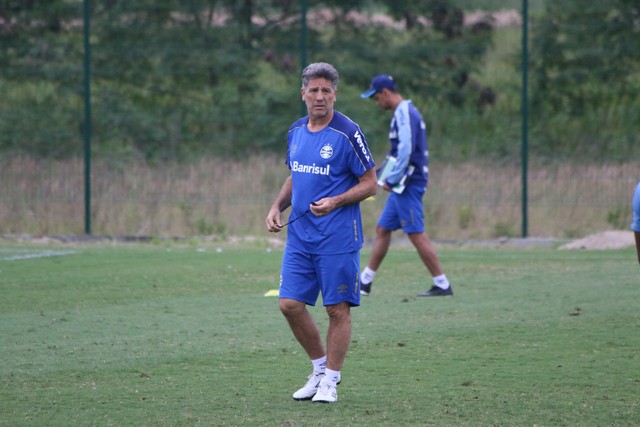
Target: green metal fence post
[[303, 43], [525, 117], [87, 117]]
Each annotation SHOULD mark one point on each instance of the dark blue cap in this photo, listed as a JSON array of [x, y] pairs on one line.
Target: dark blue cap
[[382, 81]]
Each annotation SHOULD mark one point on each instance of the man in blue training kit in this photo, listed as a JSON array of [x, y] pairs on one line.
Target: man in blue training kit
[[405, 177], [635, 223], [332, 171]]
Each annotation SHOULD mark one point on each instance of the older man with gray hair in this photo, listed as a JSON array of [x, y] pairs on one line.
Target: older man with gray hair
[[332, 171]]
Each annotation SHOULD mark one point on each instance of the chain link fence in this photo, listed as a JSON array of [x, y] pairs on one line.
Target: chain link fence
[[190, 103]]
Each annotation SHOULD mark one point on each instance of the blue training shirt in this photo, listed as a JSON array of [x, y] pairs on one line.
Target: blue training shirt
[[324, 164], [408, 138], [635, 204]]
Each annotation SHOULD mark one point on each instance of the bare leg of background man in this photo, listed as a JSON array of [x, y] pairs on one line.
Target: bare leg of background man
[[380, 248], [378, 252], [427, 253], [441, 286]]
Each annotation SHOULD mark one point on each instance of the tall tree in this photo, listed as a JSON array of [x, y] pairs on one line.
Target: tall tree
[[585, 53]]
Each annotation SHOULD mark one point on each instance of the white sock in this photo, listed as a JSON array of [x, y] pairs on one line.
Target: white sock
[[367, 276], [441, 281], [331, 376], [319, 365]]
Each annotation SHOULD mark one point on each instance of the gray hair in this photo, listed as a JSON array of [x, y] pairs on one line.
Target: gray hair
[[320, 70]]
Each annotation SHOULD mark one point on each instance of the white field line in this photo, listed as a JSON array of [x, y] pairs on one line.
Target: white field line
[[37, 254]]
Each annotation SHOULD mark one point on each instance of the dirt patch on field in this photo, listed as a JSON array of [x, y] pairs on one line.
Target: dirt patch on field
[[605, 240]]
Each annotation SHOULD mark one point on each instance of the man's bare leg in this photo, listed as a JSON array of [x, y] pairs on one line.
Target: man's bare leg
[[303, 327], [338, 335], [427, 253]]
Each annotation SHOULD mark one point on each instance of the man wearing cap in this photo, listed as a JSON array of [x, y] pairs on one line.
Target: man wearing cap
[[405, 176]]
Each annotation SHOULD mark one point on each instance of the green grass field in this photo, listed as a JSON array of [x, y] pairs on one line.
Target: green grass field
[[172, 334]]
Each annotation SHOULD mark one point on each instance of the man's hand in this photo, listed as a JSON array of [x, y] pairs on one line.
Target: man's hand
[[324, 206], [274, 223]]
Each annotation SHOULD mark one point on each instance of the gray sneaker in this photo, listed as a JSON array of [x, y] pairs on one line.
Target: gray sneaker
[[310, 388], [437, 292]]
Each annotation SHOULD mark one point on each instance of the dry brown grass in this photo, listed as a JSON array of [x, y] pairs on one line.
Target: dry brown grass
[[214, 197], [565, 201]]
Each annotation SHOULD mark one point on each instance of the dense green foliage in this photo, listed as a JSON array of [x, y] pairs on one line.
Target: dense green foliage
[[586, 62], [573, 67], [190, 77], [180, 79]]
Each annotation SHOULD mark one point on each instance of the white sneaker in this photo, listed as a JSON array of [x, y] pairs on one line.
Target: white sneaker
[[327, 393], [310, 388]]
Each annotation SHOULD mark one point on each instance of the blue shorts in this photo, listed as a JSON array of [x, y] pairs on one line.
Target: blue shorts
[[304, 276], [635, 223], [404, 211]]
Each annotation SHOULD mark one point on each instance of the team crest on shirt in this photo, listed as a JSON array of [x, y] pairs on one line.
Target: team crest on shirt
[[326, 151]]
